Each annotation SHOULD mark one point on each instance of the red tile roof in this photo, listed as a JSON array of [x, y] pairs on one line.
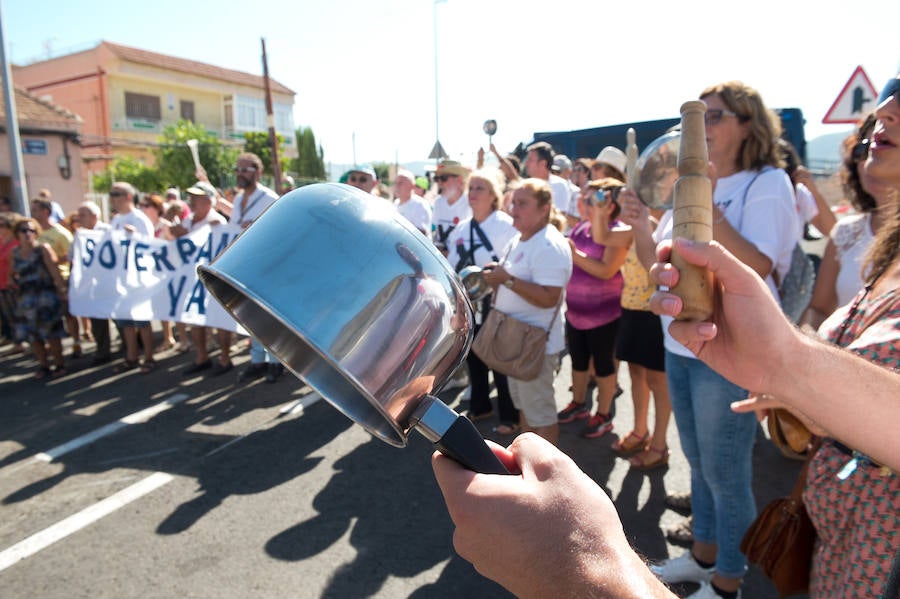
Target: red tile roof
[[34, 112], [193, 67]]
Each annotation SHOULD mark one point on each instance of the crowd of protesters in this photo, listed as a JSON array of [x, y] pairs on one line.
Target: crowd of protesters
[[593, 296], [35, 255], [567, 246]]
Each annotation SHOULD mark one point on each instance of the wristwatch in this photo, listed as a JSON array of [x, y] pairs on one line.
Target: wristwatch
[[508, 283]]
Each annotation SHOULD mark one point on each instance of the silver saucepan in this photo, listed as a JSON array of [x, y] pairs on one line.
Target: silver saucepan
[[355, 301], [472, 278]]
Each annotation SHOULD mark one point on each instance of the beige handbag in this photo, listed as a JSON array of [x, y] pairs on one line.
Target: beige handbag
[[513, 347]]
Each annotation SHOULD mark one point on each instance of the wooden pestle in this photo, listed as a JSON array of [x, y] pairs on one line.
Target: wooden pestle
[[692, 216]]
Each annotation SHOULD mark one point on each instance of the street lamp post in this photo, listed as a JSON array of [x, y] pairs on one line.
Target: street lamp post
[[437, 152]]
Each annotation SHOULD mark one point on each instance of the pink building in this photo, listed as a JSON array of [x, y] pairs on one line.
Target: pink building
[[51, 155], [126, 96]]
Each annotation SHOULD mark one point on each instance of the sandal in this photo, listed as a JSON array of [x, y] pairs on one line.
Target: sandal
[[148, 366], [163, 347], [60, 371], [506, 429], [645, 460], [42, 373], [76, 351], [630, 444], [126, 366]]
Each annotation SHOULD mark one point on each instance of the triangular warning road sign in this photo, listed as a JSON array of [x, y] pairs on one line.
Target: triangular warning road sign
[[855, 101]]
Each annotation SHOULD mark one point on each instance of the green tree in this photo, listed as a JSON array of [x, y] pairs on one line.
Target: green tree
[[174, 161], [383, 170], [310, 161], [131, 170], [258, 143]]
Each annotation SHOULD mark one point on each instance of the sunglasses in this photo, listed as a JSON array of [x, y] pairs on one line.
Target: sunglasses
[[27, 230], [580, 169], [143, 205], [117, 194], [714, 116], [359, 179], [245, 169], [860, 151], [890, 90], [442, 178]]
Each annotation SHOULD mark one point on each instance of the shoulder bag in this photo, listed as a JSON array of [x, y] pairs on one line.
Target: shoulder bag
[[513, 347], [781, 539]]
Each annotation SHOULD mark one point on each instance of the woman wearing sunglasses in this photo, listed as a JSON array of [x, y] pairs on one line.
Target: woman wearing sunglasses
[[840, 275], [594, 305], [34, 271], [755, 218]]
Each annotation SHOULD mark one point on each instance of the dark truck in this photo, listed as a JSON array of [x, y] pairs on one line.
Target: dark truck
[[588, 142]]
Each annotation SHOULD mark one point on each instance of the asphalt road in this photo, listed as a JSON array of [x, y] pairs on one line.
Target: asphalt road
[[130, 485]]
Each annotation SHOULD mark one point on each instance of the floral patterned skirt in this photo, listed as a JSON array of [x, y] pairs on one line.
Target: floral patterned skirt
[[39, 316]]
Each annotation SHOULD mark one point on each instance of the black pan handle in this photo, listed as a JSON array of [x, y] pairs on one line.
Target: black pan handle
[[455, 436]]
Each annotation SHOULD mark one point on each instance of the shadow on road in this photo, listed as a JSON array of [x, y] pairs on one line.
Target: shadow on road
[[390, 503], [257, 463]]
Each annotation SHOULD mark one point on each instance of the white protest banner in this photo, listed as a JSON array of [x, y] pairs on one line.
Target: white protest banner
[[120, 275]]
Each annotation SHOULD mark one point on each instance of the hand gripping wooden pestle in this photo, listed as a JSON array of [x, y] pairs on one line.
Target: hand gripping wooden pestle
[[692, 215]]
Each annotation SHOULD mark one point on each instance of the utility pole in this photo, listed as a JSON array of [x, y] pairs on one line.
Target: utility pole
[[17, 170], [270, 118]]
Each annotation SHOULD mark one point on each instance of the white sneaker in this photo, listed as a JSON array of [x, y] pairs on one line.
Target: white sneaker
[[706, 592], [682, 569]]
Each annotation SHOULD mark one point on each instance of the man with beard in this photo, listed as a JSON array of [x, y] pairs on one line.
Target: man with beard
[[249, 203], [452, 205]]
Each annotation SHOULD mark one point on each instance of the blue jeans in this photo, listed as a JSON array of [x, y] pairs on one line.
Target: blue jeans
[[718, 445]]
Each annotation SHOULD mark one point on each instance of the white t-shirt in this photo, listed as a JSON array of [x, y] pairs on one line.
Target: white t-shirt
[[261, 198], [445, 217], [211, 217], [499, 230], [545, 259], [136, 219], [852, 238], [766, 217], [417, 211], [561, 193]]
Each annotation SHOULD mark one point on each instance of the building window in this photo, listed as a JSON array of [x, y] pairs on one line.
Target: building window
[[141, 106], [187, 110]]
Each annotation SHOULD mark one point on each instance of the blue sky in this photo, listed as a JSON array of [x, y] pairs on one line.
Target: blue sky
[[364, 70]]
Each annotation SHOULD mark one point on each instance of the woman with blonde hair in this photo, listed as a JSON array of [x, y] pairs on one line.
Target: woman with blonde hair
[[479, 241], [755, 218], [529, 281]]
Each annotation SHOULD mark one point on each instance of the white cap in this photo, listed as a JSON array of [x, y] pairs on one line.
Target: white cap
[[613, 157]]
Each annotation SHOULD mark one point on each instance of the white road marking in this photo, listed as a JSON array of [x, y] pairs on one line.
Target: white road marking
[[85, 517], [109, 429]]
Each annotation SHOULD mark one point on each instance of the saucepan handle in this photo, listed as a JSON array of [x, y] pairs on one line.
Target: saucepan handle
[[455, 436]]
